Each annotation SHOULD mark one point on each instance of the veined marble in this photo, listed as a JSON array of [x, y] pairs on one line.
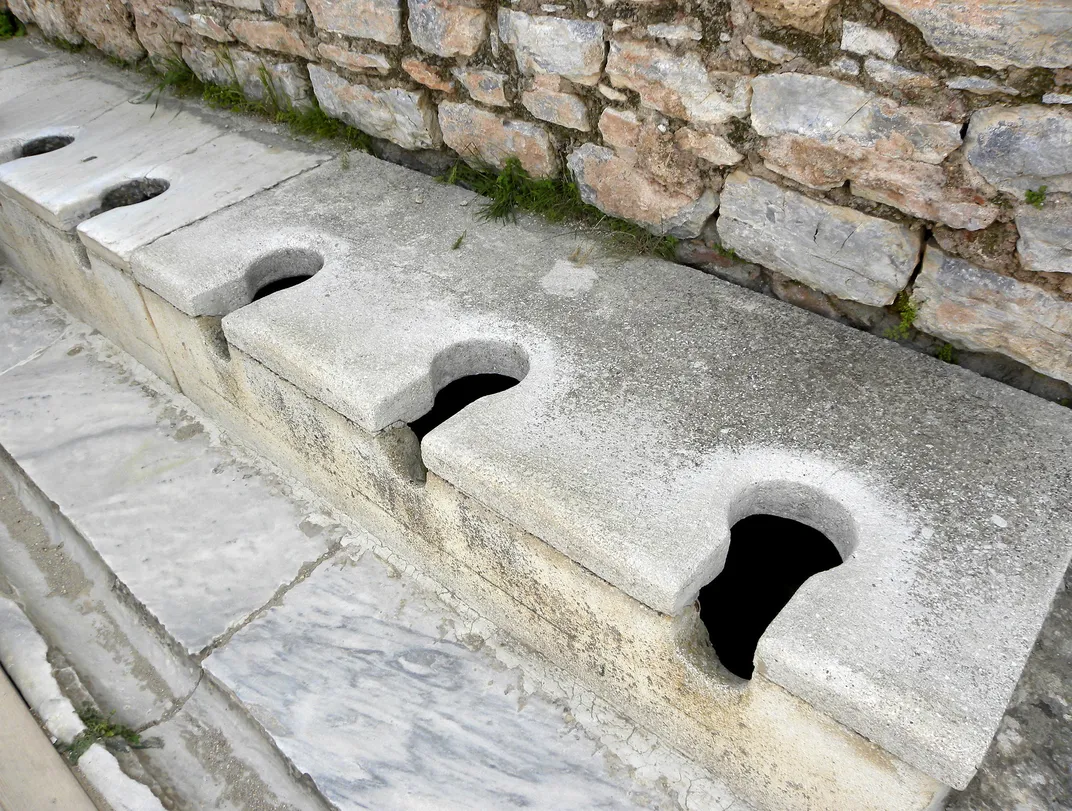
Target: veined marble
[[28, 322]]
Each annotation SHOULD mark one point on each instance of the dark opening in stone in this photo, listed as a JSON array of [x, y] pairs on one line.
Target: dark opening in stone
[[279, 284], [131, 193], [456, 395], [47, 143], [769, 559]]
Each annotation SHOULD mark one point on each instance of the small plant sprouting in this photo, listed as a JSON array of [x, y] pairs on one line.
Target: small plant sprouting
[[1036, 197], [511, 189], [10, 26], [903, 307], [344, 161], [947, 353], [99, 729], [458, 242]]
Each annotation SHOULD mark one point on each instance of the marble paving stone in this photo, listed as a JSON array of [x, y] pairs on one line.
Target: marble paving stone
[[28, 323], [388, 700], [188, 530], [640, 434]]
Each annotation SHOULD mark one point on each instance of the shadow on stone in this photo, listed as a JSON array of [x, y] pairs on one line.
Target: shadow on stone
[[458, 394], [48, 143]]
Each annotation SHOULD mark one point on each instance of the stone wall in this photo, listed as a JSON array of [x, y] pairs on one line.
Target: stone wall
[[852, 154]]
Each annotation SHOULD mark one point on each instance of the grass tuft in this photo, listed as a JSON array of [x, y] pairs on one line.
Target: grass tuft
[[903, 307], [947, 353], [511, 189], [99, 728], [1036, 197]]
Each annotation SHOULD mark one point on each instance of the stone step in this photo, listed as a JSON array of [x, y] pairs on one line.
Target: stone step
[[587, 506], [253, 638]]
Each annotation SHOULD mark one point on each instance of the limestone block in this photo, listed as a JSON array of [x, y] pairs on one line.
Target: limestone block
[[714, 149], [615, 185], [244, 5], [208, 27], [1021, 148], [678, 84], [995, 33], [285, 8], [158, 33], [56, 19], [861, 39], [380, 20], [271, 36], [885, 72], [426, 74], [287, 79], [405, 117], [109, 26], [446, 27], [1046, 236], [485, 86], [206, 65], [352, 60], [768, 51], [486, 138], [687, 29], [835, 249], [807, 15], [572, 49], [564, 109], [981, 311], [981, 86]]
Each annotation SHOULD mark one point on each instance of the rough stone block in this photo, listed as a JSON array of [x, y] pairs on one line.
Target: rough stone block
[[427, 75], [564, 109], [995, 33], [835, 249], [885, 72], [486, 138], [287, 78], [1046, 236], [380, 20], [354, 61], [271, 36], [485, 86], [981, 311], [861, 39], [807, 15], [285, 8], [615, 185], [109, 26], [768, 51], [714, 149], [208, 27], [678, 84], [405, 117], [573, 49], [1021, 148], [160, 35], [447, 27]]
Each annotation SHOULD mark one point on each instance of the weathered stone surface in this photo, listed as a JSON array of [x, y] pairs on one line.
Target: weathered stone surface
[[55, 18], [1020, 148], [572, 49], [807, 15], [712, 148], [109, 26], [446, 27], [768, 51], [677, 84], [485, 138], [354, 61], [287, 78], [245, 5], [157, 32], [981, 86], [426, 74], [888, 73], [285, 8], [653, 149], [1057, 98], [846, 65], [681, 31], [380, 20], [405, 117], [485, 86], [271, 36], [981, 311], [832, 248], [208, 27], [615, 185], [1046, 236], [830, 111], [206, 65], [995, 33], [866, 41], [564, 109]]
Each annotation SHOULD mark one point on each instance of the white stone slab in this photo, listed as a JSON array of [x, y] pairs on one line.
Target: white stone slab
[[19, 51], [188, 530], [28, 323], [661, 406], [389, 700]]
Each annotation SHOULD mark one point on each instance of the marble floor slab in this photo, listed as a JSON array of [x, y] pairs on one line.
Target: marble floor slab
[[28, 321]]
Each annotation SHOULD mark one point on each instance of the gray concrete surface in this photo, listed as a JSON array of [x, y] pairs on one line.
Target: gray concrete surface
[[658, 407]]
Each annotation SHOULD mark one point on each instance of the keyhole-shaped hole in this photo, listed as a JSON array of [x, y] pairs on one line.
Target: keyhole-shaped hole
[[458, 394], [769, 559], [46, 143]]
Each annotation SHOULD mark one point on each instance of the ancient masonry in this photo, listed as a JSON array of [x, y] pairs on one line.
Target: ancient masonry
[[854, 152]]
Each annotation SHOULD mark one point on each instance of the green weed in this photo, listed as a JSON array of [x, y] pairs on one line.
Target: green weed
[[903, 307], [458, 242], [511, 189], [947, 353], [1036, 197], [99, 728], [10, 26]]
